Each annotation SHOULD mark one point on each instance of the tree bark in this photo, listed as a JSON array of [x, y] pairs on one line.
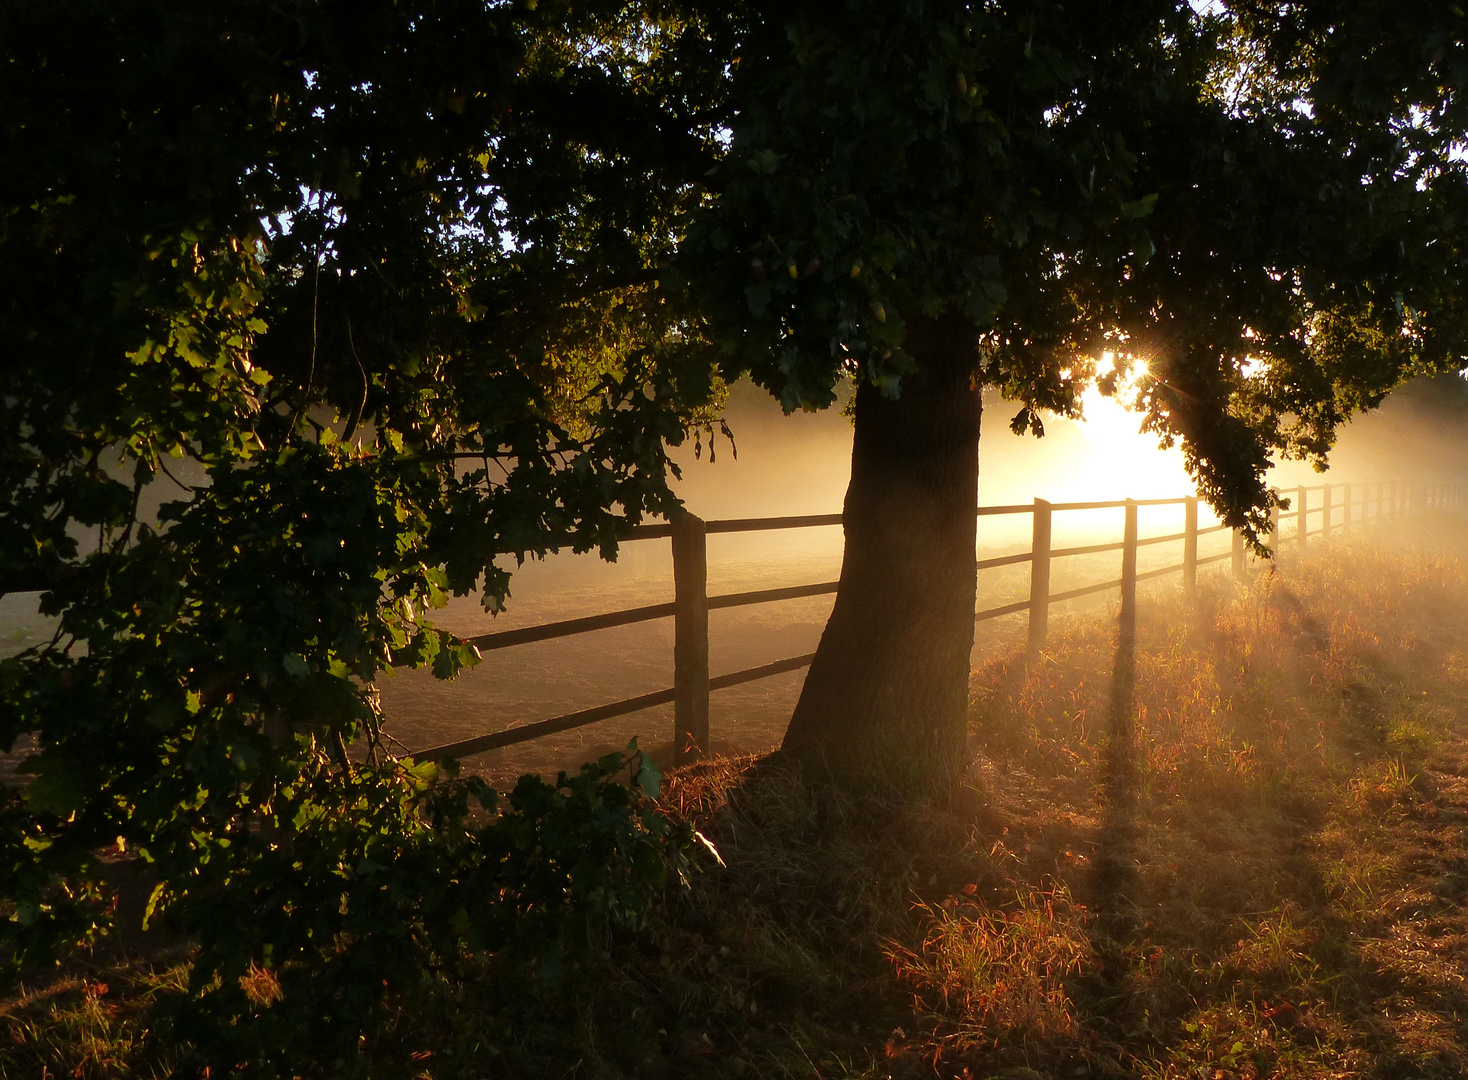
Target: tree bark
[[886, 698]]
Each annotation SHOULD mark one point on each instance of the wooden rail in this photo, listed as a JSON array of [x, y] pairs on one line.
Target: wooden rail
[[692, 683]]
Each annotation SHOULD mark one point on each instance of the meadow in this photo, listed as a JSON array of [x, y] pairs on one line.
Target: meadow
[[1248, 860]]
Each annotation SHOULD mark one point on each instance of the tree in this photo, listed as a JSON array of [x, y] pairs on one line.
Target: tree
[[366, 291], [1258, 210], [411, 286]]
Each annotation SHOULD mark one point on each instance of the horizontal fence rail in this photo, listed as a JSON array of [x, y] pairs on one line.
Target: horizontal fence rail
[[1339, 507]]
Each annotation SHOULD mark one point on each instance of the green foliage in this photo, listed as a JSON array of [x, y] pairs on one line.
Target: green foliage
[[350, 900], [895, 161], [1258, 211], [362, 890], [316, 314]]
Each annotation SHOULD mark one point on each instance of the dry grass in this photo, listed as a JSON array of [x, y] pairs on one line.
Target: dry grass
[[1250, 870], [82, 1026], [1264, 837], [1254, 867], [1000, 973]]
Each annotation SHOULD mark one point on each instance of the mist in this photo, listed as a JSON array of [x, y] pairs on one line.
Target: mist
[[1419, 434], [799, 465]]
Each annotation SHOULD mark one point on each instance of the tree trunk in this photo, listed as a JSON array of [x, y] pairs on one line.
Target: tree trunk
[[887, 694]]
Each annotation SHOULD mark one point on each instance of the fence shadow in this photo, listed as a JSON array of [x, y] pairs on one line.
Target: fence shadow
[[1114, 867]]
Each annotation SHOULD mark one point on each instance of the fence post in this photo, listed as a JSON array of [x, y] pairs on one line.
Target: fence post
[[1039, 577], [1238, 555], [1304, 531], [1128, 628], [690, 639], [1325, 513], [1345, 508], [1274, 525], [1190, 547]]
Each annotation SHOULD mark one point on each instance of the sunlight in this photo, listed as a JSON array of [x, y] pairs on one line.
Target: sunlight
[[1120, 460], [1108, 423]]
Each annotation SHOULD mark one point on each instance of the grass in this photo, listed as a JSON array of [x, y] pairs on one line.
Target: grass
[[89, 1023], [1254, 866]]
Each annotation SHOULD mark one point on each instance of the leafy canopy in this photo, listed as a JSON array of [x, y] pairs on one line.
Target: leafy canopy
[[1251, 214]]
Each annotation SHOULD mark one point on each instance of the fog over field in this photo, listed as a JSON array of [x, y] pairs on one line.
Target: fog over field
[[799, 465]]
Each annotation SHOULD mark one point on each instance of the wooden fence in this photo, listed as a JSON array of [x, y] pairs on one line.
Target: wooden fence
[[1340, 506]]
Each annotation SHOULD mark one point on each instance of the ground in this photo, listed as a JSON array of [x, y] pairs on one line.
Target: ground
[[1254, 867]]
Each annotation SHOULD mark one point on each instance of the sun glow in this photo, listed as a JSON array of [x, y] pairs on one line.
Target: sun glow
[[1115, 458], [1124, 457], [1107, 422], [801, 464]]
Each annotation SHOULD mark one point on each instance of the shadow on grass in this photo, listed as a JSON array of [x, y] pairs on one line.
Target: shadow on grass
[[1234, 847], [1274, 906], [1114, 877]]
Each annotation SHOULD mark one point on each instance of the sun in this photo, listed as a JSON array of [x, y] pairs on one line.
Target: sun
[[1106, 421], [1120, 459]]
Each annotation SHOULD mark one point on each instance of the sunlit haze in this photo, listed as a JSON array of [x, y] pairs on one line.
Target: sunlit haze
[[800, 464]]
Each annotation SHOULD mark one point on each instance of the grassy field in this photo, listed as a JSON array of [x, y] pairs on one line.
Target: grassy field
[[1254, 865]]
